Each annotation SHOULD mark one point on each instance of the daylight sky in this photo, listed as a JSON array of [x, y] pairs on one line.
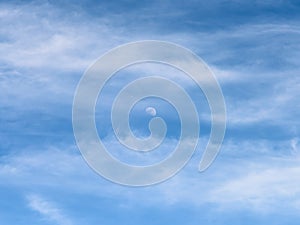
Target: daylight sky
[[253, 48]]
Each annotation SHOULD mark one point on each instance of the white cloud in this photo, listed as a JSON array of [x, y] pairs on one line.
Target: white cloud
[[57, 43], [263, 187], [255, 180], [48, 210], [272, 102], [52, 41]]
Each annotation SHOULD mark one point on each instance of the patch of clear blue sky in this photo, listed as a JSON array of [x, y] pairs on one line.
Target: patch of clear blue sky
[[256, 43]]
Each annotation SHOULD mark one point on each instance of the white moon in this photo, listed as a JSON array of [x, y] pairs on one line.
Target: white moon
[[151, 111]]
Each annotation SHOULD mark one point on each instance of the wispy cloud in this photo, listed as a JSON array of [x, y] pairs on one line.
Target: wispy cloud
[[44, 49], [48, 210], [265, 188], [258, 179]]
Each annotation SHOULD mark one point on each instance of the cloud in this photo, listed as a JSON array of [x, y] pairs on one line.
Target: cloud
[[247, 176], [45, 48], [263, 188], [55, 41], [48, 210]]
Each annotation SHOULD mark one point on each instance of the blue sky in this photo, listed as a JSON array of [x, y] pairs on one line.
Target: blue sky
[[253, 49]]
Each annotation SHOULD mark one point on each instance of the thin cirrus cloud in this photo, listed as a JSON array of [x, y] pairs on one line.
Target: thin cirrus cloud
[[46, 47], [48, 210], [262, 184]]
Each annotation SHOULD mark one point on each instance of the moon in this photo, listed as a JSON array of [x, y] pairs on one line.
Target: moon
[[151, 111]]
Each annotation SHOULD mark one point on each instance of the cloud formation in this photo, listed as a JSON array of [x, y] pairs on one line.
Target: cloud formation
[[253, 49], [48, 210]]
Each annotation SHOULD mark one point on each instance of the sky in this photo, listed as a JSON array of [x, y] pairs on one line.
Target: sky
[[252, 47]]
